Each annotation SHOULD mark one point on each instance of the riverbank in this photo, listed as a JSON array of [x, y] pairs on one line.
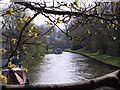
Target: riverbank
[[103, 58]]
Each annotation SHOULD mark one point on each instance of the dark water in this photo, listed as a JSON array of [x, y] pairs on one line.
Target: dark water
[[65, 68]]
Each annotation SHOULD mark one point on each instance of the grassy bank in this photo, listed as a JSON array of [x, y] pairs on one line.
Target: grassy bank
[[109, 60]]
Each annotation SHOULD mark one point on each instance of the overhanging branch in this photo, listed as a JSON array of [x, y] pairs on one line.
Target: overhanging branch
[[47, 11], [57, 12]]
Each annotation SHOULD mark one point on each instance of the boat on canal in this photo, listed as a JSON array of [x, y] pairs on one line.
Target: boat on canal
[[15, 76], [58, 51]]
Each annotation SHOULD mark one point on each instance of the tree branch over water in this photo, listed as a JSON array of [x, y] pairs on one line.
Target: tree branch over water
[[100, 12], [57, 12], [20, 38]]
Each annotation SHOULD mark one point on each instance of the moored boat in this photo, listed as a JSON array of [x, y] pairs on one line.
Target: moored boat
[[15, 76], [58, 51]]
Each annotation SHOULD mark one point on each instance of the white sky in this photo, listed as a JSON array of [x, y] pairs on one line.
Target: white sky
[[40, 19]]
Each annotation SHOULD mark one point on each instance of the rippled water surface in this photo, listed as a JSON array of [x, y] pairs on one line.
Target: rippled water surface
[[65, 68]]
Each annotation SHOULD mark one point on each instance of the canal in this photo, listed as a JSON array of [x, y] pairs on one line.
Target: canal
[[64, 68]]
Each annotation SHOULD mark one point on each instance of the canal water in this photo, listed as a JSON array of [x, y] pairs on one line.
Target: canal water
[[64, 68]]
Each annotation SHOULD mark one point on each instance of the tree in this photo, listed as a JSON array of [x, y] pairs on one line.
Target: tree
[[76, 14], [86, 15], [17, 40]]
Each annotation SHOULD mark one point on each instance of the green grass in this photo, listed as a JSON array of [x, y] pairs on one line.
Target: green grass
[[111, 62], [107, 59]]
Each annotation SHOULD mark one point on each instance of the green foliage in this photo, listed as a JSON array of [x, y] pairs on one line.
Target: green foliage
[[61, 42], [34, 51], [109, 60], [26, 42]]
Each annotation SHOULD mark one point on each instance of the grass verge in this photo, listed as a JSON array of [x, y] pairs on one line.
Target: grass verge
[[106, 59]]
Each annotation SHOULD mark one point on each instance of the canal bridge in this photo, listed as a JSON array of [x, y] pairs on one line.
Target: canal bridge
[[110, 80]]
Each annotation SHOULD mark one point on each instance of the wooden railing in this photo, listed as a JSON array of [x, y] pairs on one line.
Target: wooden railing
[[109, 80]]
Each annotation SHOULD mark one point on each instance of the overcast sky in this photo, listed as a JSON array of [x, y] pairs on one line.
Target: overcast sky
[[40, 19]]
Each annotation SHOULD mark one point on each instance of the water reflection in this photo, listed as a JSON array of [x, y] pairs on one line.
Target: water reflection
[[65, 68]]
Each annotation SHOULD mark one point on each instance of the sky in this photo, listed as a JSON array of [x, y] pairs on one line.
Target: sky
[[41, 19]]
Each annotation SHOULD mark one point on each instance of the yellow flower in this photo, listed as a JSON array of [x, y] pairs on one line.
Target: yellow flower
[[102, 21], [100, 8], [2, 50], [34, 27], [11, 21], [114, 38], [112, 25], [35, 35], [9, 11], [69, 16], [116, 22], [20, 20], [76, 3], [10, 65], [88, 31], [115, 17], [66, 4], [27, 18], [99, 15], [13, 41], [24, 46], [93, 8], [108, 27], [16, 27], [4, 79], [1, 22], [58, 20], [25, 69], [117, 3], [48, 23], [76, 23], [30, 33], [73, 25]]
